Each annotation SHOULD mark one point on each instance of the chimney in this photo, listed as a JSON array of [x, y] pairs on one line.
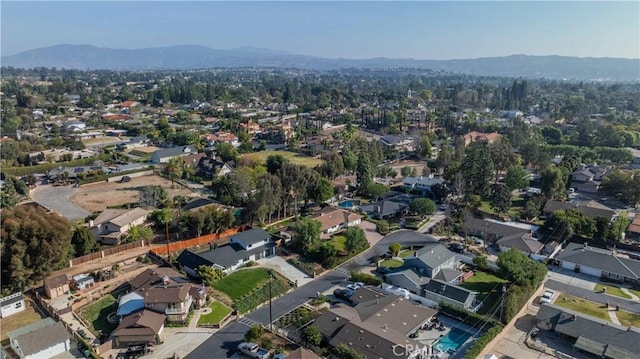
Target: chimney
[[415, 253], [376, 209], [165, 280]]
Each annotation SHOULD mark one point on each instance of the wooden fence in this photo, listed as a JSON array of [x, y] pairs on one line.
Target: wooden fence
[[220, 238], [106, 252]]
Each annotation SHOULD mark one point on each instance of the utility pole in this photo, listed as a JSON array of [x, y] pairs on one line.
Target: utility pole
[[504, 291], [166, 227]]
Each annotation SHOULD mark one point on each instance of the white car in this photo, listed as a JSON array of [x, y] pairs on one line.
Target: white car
[[253, 350], [547, 297], [355, 286]]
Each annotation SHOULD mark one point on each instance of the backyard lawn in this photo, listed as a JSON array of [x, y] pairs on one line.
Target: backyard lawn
[[391, 263], [295, 158], [240, 283], [612, 290], [219, 311], [489, 288], [19, 320], [96, 314], [406, 253], [583, 306]]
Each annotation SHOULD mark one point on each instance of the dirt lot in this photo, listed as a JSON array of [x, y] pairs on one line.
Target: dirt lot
[[19, 320], [98, 196]]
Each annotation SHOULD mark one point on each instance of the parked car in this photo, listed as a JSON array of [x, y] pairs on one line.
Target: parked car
[[280, 356], [343, 293], [253, 350], [547, 297], [355, 286], [456, 247]]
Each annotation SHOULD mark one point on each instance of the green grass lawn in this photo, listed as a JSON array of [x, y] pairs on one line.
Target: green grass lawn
[[489, 288], [97, 313], [583, 306], [239, 283], [406, 253], [219, 311], [612, 290], [517, 204], [635, 291], [391, 263], [339, 242], [628, 319], [293, 157]]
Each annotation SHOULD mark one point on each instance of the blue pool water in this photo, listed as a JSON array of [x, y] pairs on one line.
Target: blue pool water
[[346, 204], [452, 341]]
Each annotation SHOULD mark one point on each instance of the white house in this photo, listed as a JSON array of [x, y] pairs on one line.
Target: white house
[[44, 339], [421, 183], [600, 263], [11, 304], [82, 281], [165, 154], [112, 224], [335, 219], [244, 247]]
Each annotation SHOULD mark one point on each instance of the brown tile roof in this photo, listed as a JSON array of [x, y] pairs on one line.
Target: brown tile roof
[[331, 217], [634, 227], [474, 136], [154, 276], [144, 322]]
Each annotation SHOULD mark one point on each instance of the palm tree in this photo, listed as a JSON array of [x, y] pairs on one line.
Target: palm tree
[[173, 169]]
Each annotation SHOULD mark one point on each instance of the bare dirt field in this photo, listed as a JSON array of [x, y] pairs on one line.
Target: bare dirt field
[[147, 149], [97, 197]]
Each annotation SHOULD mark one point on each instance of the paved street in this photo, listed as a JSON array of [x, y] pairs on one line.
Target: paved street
[[57, 200], [281, 266]]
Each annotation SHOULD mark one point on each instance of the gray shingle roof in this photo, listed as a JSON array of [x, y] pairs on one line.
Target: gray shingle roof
[[454, 292], [601, 259], [225, 256], [252, 236], [521, 241], [42, 338], [434, 254], [175, 151]]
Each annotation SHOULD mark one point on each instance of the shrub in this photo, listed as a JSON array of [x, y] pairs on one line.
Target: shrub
[[466, 316], [477, 346], [365, 278], [255, 332], [266, 343], [305, 267]]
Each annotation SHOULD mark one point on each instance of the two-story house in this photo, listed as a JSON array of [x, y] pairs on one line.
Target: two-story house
[[222, 137], [434, 260], [11, 304], [174, 300], [421, 183], [587, 178], [111, 225], [250, 245]]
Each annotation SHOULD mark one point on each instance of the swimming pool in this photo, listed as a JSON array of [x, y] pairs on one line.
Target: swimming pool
[[452, 341], [346, 204]]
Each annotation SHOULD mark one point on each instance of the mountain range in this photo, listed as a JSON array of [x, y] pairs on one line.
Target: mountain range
[[183, 57]]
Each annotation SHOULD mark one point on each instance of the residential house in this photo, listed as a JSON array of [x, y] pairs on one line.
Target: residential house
[[198, 203], [213, 167], [378, 328], [11, 304], [633, 231], [600, 263], [434, 260], [302, 353], [221, 137], [174, 300], [588, 178], [142, 327], [82, 282], [422, 184], [491, 230], [590, 209], [73, 125], [335, 219], [475, 136], [386, 208], [135, 142], [524, 242], [112, 224], [244, 247], [193, 159], [404, 143], [43, 339], [56, 286], [251, 127], [165, 154], [598, 337]]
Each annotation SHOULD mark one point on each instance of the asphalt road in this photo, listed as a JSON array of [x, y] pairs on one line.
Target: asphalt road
[[57, 199], [224, 342], [625, 304]]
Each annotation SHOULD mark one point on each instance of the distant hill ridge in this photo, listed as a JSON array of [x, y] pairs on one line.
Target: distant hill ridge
[[181, 57]]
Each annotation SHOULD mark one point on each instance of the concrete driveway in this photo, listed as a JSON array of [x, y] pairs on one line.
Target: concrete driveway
[[57, 199], [286, 269], [371, 232]]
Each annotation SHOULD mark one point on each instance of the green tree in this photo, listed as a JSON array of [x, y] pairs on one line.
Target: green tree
[[173, 169], [502, 156], [342, 351], [478, 169], [375, 190], [139, 232], [209, 275], [307, 233], [422, 206], [364, 172], [480, 262], [552, 182], [321, 190], [83, 241], [423, 148], [356, 240], [517, 177], [501, 198], [474, 202], [405, 171], [325, 253], [254, 333], [226, 151], [312, 335], [394, 249], [521, 269], [275, 162]]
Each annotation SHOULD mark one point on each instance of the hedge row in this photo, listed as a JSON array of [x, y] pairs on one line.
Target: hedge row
[[304, 267], [466, 316], [476, 348], [365, 278]]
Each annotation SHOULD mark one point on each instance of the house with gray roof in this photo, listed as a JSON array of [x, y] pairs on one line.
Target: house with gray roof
[[44, 339], [524, 242], [588, 178], [165, 154], [385, 208], [112, 224], [590, 209], [600, 263], [11, 304], [589, 334], [421, 183], [434, 260], [246, 246]]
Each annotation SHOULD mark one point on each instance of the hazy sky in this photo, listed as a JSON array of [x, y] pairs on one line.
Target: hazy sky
[[423, 30]]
